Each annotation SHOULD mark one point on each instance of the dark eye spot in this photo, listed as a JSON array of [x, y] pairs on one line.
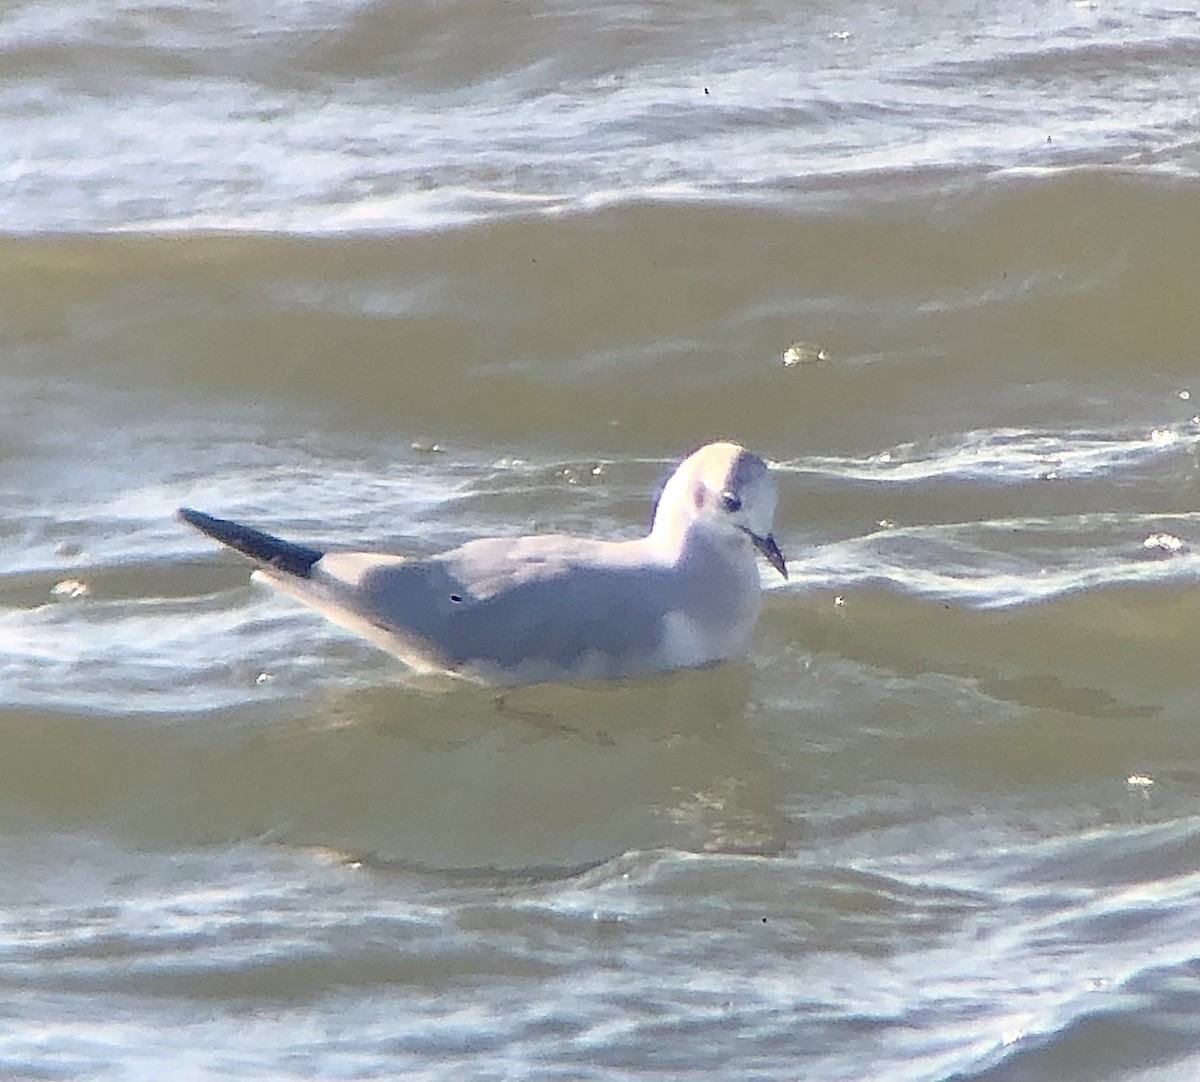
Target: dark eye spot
[[731, 502], [456, 598]]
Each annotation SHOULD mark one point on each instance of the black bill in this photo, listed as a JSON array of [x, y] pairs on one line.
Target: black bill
[[766, 545]]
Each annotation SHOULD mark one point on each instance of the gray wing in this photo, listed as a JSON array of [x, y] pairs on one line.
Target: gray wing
[[539, 611]]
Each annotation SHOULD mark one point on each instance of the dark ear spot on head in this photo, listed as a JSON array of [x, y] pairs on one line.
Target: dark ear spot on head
[[698, 494], [456, 598]]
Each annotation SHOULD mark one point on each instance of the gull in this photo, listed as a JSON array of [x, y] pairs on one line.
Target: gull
[[508, 611]]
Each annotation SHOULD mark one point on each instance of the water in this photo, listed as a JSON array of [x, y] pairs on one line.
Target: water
[[410, 274]]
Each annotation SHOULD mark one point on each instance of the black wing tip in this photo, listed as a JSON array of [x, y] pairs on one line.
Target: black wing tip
[[261, 547], [193, 517]]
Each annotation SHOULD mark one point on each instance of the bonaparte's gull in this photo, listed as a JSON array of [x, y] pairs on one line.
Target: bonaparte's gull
[[525, 610]]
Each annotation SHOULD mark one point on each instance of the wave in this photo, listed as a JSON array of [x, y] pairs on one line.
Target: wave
[[1008, 456]]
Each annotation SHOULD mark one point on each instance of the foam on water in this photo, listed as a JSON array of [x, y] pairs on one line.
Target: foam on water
[[1014, 456], [976, 975], [253, 139], [940, 824]]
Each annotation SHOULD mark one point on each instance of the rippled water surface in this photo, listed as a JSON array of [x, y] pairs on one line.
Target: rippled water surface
[[406, 274]]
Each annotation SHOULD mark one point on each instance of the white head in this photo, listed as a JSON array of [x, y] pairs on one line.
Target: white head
[[723, 487]]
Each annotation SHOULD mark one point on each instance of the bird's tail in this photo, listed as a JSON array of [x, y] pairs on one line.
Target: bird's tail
[[261, 547]]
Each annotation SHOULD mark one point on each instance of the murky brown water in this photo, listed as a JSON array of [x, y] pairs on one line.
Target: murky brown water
[[403, 276]]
